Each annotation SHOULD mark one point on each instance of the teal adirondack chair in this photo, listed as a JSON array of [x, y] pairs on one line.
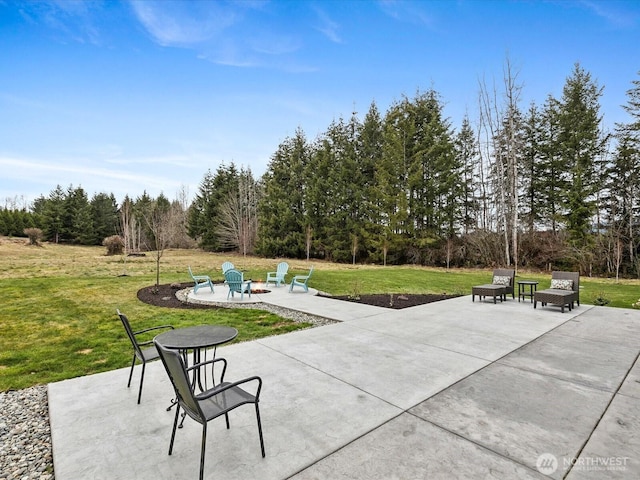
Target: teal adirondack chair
[[200, 281], [301, 281], [227, 266], [235, 280], [277, 277]]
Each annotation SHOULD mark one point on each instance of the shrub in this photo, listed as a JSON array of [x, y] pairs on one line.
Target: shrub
[[114, 244], [601, 300], [34, 234]]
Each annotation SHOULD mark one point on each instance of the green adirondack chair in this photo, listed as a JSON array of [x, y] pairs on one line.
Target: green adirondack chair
[[235, 280], [278, 276], [301, 281], [200, 281]]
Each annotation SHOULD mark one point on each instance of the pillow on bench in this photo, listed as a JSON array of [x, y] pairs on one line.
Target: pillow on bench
[[501, 280], [561, 284]]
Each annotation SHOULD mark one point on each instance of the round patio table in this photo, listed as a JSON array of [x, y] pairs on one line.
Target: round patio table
[[197, 339]]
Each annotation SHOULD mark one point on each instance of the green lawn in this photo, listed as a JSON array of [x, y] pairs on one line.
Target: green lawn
[[58, 303]]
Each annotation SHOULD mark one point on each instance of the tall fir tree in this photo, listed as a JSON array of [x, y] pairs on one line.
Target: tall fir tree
[[581, 142], [282, 209]]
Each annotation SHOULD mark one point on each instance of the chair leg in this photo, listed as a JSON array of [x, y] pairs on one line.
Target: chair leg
[[173, 432], [203, 449], [133, 364], [144, 365], [226, 417], [260, 430]]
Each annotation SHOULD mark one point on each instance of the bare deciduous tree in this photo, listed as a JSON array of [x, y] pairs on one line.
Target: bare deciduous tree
[[501, 148], [238, 220]]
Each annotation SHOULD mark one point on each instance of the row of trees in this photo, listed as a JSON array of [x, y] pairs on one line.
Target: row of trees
[[544, 186], [67, 215], [405, 187]]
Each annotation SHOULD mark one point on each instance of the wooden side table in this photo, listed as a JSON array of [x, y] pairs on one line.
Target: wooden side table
[[522, 289]]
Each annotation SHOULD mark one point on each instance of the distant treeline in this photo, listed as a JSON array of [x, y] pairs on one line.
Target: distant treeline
[[547, 187]]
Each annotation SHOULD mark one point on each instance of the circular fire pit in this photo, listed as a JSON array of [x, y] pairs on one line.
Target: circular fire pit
[[260, 290]]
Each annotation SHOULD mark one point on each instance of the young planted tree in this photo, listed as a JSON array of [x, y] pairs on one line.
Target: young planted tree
[[158, 220]]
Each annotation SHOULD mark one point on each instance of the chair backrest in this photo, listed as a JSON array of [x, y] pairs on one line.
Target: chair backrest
[[130, 334], [505, 272], [174, 365], [282, 269], [226, 266], [191, 272], [234, 279], [575, 276]]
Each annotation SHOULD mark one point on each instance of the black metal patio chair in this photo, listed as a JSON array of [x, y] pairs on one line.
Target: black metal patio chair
[[144, 351], [212, 403]]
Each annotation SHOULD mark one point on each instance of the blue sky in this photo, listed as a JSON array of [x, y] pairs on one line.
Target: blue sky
[[130, 96]]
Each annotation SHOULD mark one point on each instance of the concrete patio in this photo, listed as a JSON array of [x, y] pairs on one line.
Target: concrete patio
[[452, 389]]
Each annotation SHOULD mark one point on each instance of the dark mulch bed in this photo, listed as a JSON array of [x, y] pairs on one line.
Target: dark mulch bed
[[165, 296], [396, 301]]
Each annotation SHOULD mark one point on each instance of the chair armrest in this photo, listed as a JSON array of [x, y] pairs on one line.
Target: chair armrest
[[216, 390], [211, 362], [154, 328]]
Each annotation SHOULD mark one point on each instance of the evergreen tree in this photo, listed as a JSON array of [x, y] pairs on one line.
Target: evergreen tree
[[466, 151], [531, 174], [370, 156], [283, 225], [581, 142], [77, 225], [339, 190], [204, 213], [104, 213], [53, 214], [553, 175], [392, 174], [624, 181]]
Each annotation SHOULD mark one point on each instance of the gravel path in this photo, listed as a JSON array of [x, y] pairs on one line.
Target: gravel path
[[25, 433]]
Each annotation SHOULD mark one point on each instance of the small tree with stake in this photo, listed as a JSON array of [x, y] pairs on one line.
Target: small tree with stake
[[158, 219]]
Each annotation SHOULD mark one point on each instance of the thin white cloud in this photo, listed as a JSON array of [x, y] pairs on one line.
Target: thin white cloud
[[220, 32], [328, 27], [172, 160], [611, 14], [71, 19], [181, 23], [93, 179], [408, 12]]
